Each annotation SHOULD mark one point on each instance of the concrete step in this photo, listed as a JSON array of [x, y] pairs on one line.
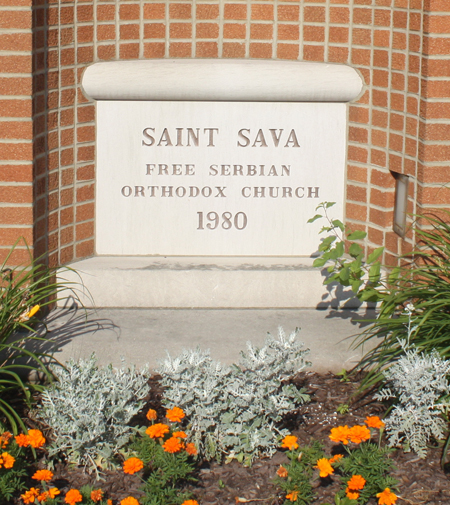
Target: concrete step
[[145, 335], [203, 282]]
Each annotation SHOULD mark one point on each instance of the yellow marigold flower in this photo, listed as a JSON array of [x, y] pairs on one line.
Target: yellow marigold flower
[[175, 415], [374, 422], [151, 415], [36, 438], [32, 311], [190, 502], [191, 449], [356, 482], [282, 472], [4, 439], [45, 475], [73, 496], [335, 458], [129, 501], [6, 460], [352, 495], [324, 466], [179, 434], [289, 442], [358, 434], [157, 430], [293, 495], [30, 495], [340, 434], [132, 465], [96, 495], [22, 440], [172, 445], [386, 497]]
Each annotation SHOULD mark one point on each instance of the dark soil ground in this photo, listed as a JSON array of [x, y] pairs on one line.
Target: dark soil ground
[[422, 482]]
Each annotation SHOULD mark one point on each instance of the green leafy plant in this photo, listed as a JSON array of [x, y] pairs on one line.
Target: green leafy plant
[[363, 467], [88, 409], [13, 468], [24, 292], [296, 478], [423, 279], [342, 408], [234, 411], [167, 460], [362, 274]]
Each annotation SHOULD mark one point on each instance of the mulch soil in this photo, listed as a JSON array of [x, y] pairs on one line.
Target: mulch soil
[[421, 481]]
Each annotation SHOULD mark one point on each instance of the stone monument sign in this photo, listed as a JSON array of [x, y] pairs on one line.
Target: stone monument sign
[[191, 162]]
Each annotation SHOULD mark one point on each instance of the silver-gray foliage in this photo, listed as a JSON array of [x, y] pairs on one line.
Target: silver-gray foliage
[[418, 381], [89, 409], [234, 410]]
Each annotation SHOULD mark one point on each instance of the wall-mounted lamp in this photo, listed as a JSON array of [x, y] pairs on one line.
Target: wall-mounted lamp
[[401, 202]]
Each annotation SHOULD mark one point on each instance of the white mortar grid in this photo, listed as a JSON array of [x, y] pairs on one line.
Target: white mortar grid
[[194, 30], [248, 28], [221, 28]]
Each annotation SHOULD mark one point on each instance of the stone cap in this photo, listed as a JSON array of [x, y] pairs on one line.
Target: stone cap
[[221, 80]]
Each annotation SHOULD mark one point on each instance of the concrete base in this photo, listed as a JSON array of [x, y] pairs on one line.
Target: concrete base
[[143, 336], [202, 282]]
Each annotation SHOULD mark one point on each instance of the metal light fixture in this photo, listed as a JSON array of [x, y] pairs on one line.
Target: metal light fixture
[[401, 202]]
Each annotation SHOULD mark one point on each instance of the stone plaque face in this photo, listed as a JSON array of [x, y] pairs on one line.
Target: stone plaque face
[[216, 178]]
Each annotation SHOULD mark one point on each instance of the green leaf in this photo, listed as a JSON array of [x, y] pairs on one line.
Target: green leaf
[[344, 274], [355, 250], [329, 204], [375, 254], [326, 242], [315, 218], [338, 251], [338, 224], [356, 284], [374, 273], [319, 262], [357, 235]]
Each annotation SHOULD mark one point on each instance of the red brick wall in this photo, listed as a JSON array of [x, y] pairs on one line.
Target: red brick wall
[[401, 123]]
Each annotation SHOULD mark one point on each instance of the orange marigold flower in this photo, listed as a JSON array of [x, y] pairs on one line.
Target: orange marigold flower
[[340, 434], [45, 475], [179, 434], [36, 438], [96, 495], [175, 415], [30, 495], [293, 495], [324, 466], [129, 501], [22, 440], [358, 434], [73, 496], [4, 439], [132, 465], [352, 495], [356, 482], [386, 497], [53, 492], [109, 502], [374, 422], [157, 430], [191, 449], [289, 442], [190, 502], [151, 415], [335, 458], [172, 445], [6, 460], [282, 472]]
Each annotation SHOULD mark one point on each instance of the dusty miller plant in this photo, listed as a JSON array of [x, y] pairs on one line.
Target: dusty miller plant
[[419, 382], [89, 409], [234, 410]]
